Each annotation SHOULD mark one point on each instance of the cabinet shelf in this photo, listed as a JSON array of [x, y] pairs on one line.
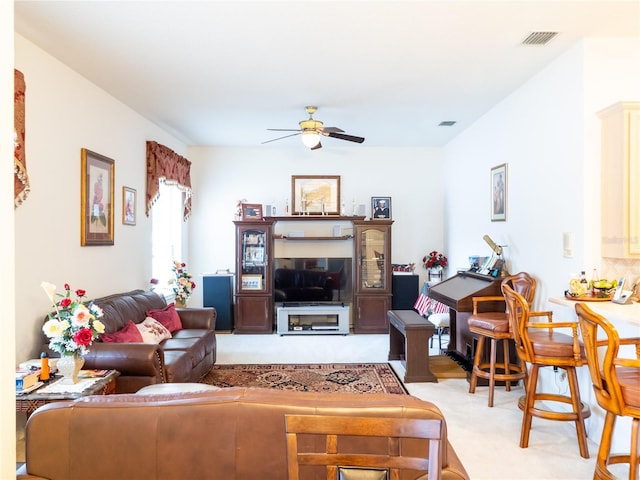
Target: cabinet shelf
[[284, 237], [314, 218]]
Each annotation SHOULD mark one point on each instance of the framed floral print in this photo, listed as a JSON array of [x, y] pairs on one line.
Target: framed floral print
[[96, 201]]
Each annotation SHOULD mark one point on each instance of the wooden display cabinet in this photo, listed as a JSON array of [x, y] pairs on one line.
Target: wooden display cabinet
[[372, 289], [254, 286]]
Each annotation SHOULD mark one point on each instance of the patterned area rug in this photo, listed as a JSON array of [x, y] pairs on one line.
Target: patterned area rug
[[331, 377]]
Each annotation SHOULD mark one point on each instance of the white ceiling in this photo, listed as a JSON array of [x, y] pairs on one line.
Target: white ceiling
[[222, 72]]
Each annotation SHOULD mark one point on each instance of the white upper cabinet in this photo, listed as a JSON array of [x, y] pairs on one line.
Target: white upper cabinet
[[621, 180]]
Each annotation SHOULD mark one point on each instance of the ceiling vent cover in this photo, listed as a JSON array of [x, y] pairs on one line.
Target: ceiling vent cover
[[539, 38], [447, 123]]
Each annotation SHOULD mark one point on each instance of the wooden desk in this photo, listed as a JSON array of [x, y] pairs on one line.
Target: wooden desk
[[409, 335], [29, 402]]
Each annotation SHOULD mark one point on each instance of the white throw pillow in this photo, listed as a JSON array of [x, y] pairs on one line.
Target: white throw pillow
[[152, 331]]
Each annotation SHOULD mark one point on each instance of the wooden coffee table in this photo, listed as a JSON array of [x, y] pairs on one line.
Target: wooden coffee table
[[29, 402]]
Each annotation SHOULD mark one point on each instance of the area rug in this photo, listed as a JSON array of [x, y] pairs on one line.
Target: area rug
[[443, 367], [330, 377]]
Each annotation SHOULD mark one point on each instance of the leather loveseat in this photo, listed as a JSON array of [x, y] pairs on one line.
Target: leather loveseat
[[232, 433], [297, 285], [186, 357]]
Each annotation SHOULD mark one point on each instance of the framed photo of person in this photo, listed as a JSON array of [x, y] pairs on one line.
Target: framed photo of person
[[499, 193], [380, 208]]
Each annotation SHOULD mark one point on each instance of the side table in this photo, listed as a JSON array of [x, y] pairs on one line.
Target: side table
[[29, 402]]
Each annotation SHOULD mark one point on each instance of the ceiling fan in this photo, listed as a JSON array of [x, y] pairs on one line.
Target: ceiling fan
[[311, 131]]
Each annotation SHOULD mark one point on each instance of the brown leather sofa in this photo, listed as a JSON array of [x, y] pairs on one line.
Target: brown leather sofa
[[185, 357], [232, 433]]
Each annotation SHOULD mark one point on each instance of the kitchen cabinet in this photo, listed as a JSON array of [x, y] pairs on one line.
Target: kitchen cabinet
[[621, 180]]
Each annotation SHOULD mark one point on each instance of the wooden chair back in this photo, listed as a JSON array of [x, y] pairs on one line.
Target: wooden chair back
[[520, 315], [394, 461], [598, 332], [522, 283]]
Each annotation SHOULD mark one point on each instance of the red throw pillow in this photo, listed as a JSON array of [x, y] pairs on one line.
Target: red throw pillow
[[127, 334], [168, 317]]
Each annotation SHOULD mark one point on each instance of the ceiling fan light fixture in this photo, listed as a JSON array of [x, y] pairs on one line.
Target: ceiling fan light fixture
[[310, 139]]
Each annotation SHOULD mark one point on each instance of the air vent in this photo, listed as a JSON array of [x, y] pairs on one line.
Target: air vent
[[447, 123], [539, 38]]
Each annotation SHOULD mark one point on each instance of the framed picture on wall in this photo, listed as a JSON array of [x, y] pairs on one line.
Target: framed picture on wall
[[499, 193], [128, 206], [96, 201], [315, 194], [380, 208]]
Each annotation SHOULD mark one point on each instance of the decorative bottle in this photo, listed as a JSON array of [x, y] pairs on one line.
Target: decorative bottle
[[583, 281], [45, 371]]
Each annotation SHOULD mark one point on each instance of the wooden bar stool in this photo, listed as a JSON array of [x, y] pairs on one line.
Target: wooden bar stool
[[538, 344], [616, 383], [495, 326]]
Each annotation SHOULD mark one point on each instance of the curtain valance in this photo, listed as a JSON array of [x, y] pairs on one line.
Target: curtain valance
[[165, 165], [21, 185]]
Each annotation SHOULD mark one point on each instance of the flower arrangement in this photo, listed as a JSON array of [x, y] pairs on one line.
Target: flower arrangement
[[183, 285], [73, 326], [434, 260]]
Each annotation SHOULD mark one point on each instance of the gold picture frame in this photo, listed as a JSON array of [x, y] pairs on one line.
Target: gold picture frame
[[315, 194], [499, 193], [96, 200], [129, 206]]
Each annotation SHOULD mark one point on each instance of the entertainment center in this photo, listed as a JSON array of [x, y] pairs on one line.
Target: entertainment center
[[319, 274]]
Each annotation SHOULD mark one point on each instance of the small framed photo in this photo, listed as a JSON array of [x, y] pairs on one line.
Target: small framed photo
[[96, 200], [380, 208], [128, 206], [251, 212], [499, 193], [252, 282]]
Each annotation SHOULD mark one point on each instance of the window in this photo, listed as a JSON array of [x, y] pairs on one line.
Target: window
[[166, 237]]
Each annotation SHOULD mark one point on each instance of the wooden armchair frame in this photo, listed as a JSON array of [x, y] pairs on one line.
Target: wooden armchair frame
[[538, 344], [395, 429], [610, 388]]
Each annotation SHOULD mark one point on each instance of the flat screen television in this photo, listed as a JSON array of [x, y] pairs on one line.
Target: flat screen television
[[312, 280]]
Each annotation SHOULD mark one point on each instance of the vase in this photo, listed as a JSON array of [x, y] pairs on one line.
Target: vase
[[69, 367], [180, 303], [435, 273]]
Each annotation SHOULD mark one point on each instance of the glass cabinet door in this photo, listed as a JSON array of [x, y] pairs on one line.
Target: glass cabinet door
[[253, 264], [373, 249]]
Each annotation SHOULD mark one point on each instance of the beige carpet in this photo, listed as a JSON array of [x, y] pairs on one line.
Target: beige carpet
[[329, 377], [444, 367]]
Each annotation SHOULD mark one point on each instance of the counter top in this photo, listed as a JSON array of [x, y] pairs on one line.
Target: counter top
[[612, 311]]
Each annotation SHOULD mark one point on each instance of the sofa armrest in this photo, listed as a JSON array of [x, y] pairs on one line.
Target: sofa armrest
[[198, 317], [130, 359]]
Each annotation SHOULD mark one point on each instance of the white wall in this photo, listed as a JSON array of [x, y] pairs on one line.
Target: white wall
[[64, 113], [548, 134], [221, 176], [7, 262]]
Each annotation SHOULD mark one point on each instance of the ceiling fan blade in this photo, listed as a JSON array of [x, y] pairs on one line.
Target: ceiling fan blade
[[280, 138], [319, 145], [332, 129], [349, 138], [283, 129]]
